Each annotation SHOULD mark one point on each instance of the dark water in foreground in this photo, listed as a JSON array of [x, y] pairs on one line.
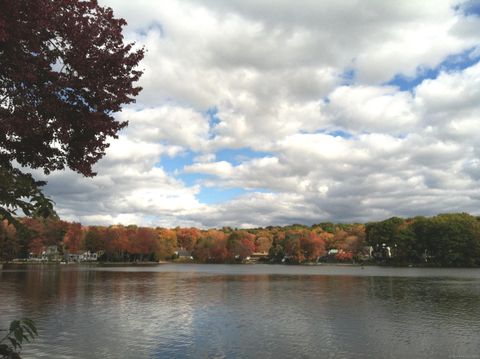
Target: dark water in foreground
[[249, 311]]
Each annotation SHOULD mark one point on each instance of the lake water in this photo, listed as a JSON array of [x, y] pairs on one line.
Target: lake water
[[245, 311]]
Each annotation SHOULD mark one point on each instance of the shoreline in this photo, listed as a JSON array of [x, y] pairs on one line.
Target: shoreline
[[146, 264]]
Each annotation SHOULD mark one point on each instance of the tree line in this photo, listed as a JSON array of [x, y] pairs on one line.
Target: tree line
[[451, 239], [296, 243], [444, 240]]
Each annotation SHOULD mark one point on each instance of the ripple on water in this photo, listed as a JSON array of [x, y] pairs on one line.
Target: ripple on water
[[241, 311]]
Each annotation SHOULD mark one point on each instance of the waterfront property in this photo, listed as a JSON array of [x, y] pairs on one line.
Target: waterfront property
[[183, 254], [52, 254], [81, 256], [257, 257]]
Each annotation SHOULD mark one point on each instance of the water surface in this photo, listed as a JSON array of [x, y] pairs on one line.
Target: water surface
[[245, 311]]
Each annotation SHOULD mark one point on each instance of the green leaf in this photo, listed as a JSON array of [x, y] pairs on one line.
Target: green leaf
[[29, 332], [14, 324], [15, 344], [18, 333]]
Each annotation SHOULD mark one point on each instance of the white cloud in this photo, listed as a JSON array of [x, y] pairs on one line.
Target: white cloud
[[290, 79], [176, 125], [372, 109], [222, 168], [450, 92]]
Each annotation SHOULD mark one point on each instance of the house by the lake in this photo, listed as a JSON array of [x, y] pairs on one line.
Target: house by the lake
[[182, 253], [81, 256], [51, 254]]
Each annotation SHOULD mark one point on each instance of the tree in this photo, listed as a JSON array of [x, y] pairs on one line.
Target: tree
[[328, 238], [167, 242], [55, 230], [240, 244], [339, 238], [211, 247], [9, 246], [187, 237], [292, 246], [383, 234], [116, 242], [64, 72], [145, 243], [277, 251], [313, 245], [73, 238], [406, 246], [19, 332], [36, 246], [449, 239], [348, 239], [325, 226], [263, 242], [202, 250], [31, 235], [94, 239]]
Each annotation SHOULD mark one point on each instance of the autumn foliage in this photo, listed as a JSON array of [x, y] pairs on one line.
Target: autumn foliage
[[64, 72], [447, 239], [293, 244]]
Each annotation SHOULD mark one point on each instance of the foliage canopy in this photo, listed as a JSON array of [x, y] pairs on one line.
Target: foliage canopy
[[64, 71]]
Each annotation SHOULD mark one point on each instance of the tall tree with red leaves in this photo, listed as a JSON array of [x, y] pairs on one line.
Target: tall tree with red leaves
[[64, 71]]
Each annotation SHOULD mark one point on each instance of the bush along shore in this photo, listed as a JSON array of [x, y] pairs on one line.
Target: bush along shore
[[450, 240]]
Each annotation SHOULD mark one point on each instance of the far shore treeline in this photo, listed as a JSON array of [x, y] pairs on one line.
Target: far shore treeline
[[442, 240]]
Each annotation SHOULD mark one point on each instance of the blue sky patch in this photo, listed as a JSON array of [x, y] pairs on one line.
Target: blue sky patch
[[456, 62], [191, 179], [176, 163], [237, 156], [211, 195], [335, 133], [468, 8], [212, 115], [339, 133], [214, 195], [173, 166], [348, 77], [155, 25]]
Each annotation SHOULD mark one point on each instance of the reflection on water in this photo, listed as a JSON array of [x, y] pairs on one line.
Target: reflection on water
[[215, 311]]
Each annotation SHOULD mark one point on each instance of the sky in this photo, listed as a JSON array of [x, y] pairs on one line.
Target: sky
[[257, 113]]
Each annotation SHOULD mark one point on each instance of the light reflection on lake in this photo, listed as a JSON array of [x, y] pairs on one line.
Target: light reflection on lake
[[245, 311]]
